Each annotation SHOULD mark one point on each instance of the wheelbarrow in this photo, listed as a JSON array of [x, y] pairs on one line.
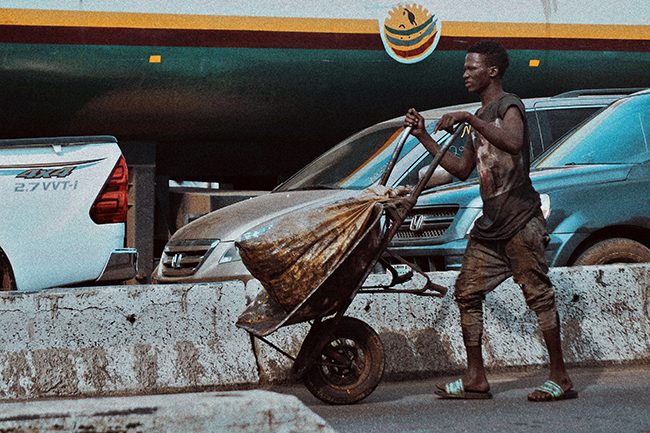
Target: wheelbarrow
[[341, 360]]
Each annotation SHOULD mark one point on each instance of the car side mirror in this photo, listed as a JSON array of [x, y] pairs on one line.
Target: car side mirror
[[439, 177]]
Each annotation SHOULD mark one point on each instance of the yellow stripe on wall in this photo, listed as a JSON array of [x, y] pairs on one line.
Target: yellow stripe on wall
[[35, 17], [38, 17], [539, 30]]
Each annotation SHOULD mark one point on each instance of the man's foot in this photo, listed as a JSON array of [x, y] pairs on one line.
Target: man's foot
[[552, 391], [472, 381], [457, 390]]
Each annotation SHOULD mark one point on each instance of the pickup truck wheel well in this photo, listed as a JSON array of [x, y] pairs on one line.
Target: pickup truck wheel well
[[7, 279], [636, 234]]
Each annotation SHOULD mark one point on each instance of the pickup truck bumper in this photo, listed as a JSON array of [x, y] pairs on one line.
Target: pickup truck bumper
[[122, 265]]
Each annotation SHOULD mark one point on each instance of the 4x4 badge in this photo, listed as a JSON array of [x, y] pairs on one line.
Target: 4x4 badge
[[416, 223]]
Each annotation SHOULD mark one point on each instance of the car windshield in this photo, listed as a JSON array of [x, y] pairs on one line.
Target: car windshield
[[620, 134], [355, 163]]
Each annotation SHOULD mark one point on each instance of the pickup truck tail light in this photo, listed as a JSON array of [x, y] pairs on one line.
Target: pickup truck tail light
[[112, 202]]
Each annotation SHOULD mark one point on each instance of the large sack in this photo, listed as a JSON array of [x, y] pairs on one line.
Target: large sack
[[298, 252]]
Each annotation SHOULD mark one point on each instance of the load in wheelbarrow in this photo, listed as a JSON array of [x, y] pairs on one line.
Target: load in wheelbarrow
[[312, 266]]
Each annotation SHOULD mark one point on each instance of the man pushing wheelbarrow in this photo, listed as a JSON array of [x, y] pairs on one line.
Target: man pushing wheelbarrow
[[312, 265], [510, 238]]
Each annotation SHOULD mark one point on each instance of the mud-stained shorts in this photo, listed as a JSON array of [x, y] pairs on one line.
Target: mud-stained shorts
[[486, 264]]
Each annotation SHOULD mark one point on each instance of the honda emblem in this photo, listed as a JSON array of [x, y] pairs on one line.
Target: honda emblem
[[176, 260], [416, 223]]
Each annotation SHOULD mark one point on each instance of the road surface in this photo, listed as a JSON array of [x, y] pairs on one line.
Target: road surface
[[611, 399]]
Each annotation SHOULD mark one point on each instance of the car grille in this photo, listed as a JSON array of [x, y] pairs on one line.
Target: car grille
[[426, 222], [182, 258]]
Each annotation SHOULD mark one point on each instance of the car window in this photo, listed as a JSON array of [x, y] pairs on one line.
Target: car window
[[457, 147], [620, 134], [548, 125], [355, 163]]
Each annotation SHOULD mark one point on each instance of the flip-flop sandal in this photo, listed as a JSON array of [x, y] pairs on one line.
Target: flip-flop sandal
[[457, 390], [554, 392]]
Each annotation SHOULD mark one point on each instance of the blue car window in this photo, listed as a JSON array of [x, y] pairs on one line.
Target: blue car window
[[620, 134]]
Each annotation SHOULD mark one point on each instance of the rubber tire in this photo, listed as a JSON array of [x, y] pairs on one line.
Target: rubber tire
[[7, 279], [614, 251], [334, 385]]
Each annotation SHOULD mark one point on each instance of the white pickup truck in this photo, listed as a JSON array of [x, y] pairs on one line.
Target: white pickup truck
[[63, 212]]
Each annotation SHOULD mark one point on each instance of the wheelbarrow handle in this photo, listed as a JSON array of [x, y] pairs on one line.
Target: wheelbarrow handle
[[399, 216], [394, 156]]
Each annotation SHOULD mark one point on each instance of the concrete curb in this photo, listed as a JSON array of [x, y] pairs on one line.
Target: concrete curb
[[605, 315], [123, 340], [237, 411], [159, 339]]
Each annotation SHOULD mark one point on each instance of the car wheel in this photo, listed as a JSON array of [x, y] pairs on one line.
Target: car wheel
[[612, 251], [7, 280]]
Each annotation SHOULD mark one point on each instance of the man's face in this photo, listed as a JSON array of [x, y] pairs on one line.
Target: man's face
[[478, 74]]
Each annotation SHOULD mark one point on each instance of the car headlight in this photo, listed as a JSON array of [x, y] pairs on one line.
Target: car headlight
[[232, 253], [546, 205]]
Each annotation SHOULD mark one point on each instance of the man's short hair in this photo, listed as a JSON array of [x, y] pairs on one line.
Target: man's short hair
[[495, 54]]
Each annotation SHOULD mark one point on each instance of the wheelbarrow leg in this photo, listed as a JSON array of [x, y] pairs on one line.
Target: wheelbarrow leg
[[441, 291], [313, 345], [396, 278]]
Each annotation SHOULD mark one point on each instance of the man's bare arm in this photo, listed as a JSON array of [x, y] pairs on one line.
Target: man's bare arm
[[509, 137], [458, 167]]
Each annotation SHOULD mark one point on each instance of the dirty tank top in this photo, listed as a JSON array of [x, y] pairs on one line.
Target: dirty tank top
[[509, 199]]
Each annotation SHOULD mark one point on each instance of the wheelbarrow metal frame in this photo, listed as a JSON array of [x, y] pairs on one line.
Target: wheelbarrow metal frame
[[367, 251]]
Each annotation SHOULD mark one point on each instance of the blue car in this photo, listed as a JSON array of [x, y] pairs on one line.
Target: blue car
[[595, 189]]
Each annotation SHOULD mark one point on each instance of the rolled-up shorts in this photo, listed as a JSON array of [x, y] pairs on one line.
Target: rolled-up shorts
[[486, 264]]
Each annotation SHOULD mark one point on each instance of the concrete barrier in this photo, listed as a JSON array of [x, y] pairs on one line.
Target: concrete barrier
[[209, 412], [158, 339], [123, 340], [604, 310]]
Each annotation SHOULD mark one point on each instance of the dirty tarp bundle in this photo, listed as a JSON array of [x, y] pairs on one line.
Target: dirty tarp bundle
[[298, 252]]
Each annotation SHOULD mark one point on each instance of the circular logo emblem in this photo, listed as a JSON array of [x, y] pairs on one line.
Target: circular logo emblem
[[410, 33]]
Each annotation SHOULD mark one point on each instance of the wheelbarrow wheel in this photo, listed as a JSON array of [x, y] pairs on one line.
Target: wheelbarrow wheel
[[350, 366]]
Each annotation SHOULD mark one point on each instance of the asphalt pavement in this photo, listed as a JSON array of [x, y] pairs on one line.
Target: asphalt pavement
[[611, 399]]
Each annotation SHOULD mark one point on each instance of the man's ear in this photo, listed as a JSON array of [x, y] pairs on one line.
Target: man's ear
[[494, 71]]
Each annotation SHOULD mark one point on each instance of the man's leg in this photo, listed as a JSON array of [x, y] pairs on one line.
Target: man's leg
[[475, 378], [483, 269], [526, 253], [558, 372]]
